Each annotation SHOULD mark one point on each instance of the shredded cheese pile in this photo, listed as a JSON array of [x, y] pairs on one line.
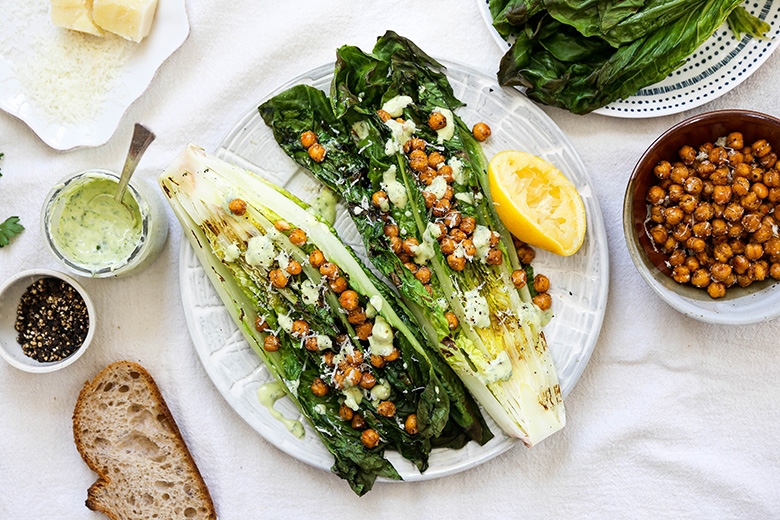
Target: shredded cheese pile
[[65, 74]]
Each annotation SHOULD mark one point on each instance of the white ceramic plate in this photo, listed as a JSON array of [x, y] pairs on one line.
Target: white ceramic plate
[[24, 25], [719, 65], [579, 282]]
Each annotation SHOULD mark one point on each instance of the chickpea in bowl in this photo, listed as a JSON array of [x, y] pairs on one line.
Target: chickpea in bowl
[[699, 217]]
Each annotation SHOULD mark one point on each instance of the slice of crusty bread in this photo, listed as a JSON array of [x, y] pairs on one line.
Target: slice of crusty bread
[[126, 434]]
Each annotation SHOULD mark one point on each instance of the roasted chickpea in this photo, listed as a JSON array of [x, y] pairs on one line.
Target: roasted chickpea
[[677, 258], [441, 207], [377, 361], [761, 148], [655, 195], [237, 207], [453, 219], [716, 290], [329, 270], [703, 212], [693, 185], [419, 163], [271, 343], [294, 267], [358, 422], [469, 248], [695, 244], [468, 225], [674, 215], [742, 170], [386, 409], [319, 388], [410, 246], [392, 356], [364, 330], [339, 285], [692, 263], [526, 254], [687, 154], [278, 278], [349, 300], [298, 237], [769, 160], [735, 140], [430, 199], [702, 229], [689, 203], [735, 157], [316, 258], [757, 271], [367, 381], [437, 121], [410, 424], [774, 271], [423, 274], [740, 264], [300, 329], [519, 278], [679, 173], [435, 159], [494, 257], [720, 271], [543, 301], [396, 245], [733, 212], [481, 131], [722, 252], [704, 169], [701, 278], [317, 152], [657, 214], [681, 274], [754, 251], [356, 316], [345, 412], [448, 245], [447, 172], [763, 234], [663, 170], [308, 139], [369, 438], [456, 263], [718, 156], [452, 320], [311, 344], [682, 232], [721, 194], [541, 283]]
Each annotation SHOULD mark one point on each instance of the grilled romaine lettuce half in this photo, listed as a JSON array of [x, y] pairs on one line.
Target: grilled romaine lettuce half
[[303, 301], [439, 221]]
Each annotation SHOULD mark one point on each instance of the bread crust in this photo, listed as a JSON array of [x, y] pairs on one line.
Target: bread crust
[[104, 482]]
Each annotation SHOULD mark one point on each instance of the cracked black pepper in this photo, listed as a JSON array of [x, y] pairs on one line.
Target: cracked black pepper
[[52, 320]]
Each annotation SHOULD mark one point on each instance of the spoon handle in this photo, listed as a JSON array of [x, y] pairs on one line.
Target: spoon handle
[[142, 138]]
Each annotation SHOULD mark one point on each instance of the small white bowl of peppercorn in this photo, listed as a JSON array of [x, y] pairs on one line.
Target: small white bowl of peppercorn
[[701, 217], [47, 320]]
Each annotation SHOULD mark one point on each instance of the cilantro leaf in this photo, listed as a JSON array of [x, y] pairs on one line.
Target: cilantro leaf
[[9, 229]]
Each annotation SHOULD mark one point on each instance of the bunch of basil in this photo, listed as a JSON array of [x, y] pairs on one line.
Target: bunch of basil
[[584, 54]]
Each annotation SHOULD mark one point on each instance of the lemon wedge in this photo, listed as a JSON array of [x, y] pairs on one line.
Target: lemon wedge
[[536, 202]]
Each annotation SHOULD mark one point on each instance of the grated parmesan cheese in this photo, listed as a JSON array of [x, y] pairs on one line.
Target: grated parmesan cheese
[[65, 74]]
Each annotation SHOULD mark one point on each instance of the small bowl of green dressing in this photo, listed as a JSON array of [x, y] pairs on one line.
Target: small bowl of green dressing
[[93, 235]]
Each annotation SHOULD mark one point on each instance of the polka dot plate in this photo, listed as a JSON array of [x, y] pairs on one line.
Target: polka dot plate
[[719, 65]]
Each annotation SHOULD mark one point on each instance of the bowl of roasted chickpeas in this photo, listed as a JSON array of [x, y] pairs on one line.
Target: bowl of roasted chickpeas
[[701, 217]]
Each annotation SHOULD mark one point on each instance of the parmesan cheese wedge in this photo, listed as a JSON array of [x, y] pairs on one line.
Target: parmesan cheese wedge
[[130, 19], [75, 15]]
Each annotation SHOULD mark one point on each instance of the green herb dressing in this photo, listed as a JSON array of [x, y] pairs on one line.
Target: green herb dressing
[[325, 204], [96, 231], [268, 394]]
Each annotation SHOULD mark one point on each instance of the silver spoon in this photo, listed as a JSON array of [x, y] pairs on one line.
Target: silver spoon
[[142, 138]]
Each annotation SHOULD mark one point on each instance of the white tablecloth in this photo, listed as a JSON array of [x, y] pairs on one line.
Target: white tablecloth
[[672, 417]]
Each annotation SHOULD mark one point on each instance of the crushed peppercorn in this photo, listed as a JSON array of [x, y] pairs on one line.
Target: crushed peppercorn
[[52, 320]]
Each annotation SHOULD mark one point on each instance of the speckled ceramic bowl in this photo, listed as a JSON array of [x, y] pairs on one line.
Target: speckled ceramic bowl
[[11, 292], [756, 303]]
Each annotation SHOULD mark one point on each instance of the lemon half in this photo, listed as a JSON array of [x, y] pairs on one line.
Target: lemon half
[[536, 202]]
